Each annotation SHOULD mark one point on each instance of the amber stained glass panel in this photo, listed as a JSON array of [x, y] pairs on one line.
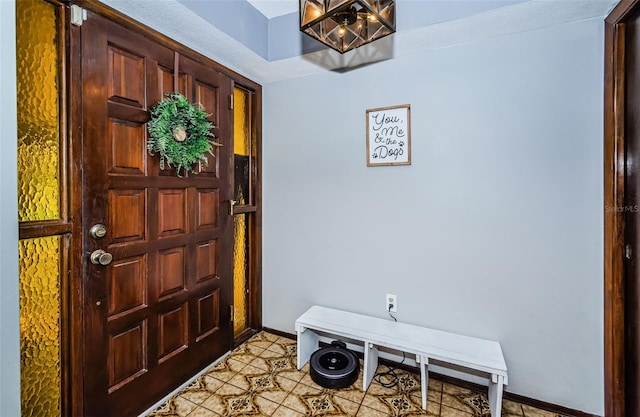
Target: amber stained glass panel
[[38, 114], [40, 365], [240, 273], [241, 146]]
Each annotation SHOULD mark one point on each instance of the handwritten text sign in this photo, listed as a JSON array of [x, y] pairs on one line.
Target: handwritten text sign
[[389, 136]]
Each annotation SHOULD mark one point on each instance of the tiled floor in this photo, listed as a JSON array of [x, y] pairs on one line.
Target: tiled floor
[[260, 378]]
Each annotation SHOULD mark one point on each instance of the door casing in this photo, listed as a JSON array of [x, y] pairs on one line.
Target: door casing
[[615, 227]]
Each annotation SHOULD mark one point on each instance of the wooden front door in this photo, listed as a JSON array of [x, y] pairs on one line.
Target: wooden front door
[[160, 310]]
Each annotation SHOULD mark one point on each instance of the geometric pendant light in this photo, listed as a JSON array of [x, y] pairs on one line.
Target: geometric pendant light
[[347, 24]]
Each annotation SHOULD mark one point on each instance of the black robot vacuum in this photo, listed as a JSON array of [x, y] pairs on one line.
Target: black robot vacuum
[[334, 366]]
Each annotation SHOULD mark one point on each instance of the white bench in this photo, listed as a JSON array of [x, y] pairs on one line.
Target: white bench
[[426, 344]]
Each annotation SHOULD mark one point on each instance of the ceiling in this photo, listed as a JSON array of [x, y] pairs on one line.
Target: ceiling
[[275, 8], [261, 40]]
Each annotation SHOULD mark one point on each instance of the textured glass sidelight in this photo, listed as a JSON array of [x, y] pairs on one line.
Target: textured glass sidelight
[[244, 150], [38, 111], [40, 365]]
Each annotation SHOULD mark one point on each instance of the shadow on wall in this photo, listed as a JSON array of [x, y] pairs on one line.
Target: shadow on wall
[[325, 57]]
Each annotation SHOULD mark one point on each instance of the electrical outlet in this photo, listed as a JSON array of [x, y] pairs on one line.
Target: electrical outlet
[[391, 303]]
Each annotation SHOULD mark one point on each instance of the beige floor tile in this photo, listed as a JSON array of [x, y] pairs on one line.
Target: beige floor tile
[[212, 383], [260, 363], [349, 408], [281, 364], [248, 349], [195, 397], [286, 341], [453, 389], [225, 370], [203, 412], [408, 382], [457, 401], [353, 393], [433, 402], [376, 389], [259, 342], [265, 406], [286, 384], [229, 400], [434, 396], [262, 336], [370, 412], [283, 411], [453, 412], [303, 398], [200, 389], [270, 336], [511, 407], [176, 406], [270, 354], [277, 390], [251, 370], [279, 349], [240, 381], [291, 350], [306, 380], [400, 405], [435, 385], [374, 402], [243, 357], [292, 374], [276, 396]]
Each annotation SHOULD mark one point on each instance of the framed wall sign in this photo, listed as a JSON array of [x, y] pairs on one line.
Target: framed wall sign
[[389, 136]]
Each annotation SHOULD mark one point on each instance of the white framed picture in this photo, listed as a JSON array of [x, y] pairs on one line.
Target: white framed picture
[[389, 136]]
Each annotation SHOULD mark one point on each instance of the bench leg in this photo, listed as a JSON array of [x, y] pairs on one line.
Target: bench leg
[[496, 385], [308, 343], [424, 379], [370, 364]]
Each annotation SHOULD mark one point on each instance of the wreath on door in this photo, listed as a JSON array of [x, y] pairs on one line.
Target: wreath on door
[[180, 133]]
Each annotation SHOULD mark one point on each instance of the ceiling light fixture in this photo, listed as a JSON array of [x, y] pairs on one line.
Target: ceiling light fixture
[[347, 24]]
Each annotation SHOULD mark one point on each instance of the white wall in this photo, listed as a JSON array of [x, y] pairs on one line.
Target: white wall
[[9, 318], [494, 231]]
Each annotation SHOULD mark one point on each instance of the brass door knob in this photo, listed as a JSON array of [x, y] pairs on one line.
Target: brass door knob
[[100, 257]]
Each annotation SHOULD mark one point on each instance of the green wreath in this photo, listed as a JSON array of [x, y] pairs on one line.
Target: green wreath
[[180, 133]]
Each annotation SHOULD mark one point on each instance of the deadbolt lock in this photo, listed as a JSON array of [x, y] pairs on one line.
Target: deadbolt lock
[[98, 231], [100, 257]]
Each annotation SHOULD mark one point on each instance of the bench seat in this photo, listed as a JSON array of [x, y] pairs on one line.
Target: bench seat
[[426, 344]]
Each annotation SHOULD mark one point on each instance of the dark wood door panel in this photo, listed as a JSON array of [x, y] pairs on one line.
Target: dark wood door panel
[[127, 358], [127, 215], [127, 286], [172, 212], [127, 77], [172, 272], [159, 312]]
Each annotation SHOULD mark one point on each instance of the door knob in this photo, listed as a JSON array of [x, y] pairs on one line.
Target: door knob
[[100, 257]]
